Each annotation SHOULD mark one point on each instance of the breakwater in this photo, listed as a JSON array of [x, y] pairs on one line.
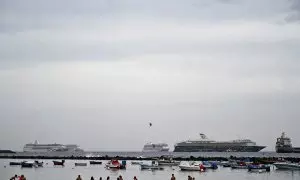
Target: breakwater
[[263, 157]]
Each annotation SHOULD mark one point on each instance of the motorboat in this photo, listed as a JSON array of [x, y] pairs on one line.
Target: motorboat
[[59, 163], [259, 168], [80, 164], [95, 162], [152, 165], [39, 164], [239, 165], [226, 163], [15, 163], [191, 166], [28, 164], [210, 165], [115, 164], [287, 165], [168, 162]]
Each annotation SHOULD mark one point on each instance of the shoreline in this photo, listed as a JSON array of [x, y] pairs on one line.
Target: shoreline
[[265, 160]]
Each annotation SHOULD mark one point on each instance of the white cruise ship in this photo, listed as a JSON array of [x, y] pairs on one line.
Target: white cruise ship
[[159, 147], [36, 147]]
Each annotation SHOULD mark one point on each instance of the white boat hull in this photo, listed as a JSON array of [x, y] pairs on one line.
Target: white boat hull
[[290, 166], [189, 168]]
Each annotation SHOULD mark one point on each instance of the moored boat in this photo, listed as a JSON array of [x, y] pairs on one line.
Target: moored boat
[[259, 168], [209, 165], [39, 164], [226, 163], [191, 166], [287, 165], [15, 163], [239, 165], [59, 163], [80, 164], [152, 165], [95, 162], [168, 162], [115, 164], [28, 164]]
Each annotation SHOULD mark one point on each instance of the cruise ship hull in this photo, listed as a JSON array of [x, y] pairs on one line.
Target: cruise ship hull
[[288, 150], [213, 148]]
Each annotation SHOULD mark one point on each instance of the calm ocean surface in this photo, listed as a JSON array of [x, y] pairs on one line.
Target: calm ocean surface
[[70, 172], [158, 154]]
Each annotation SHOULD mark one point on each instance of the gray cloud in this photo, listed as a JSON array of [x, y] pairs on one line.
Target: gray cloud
[[106, 63], [294, 15]]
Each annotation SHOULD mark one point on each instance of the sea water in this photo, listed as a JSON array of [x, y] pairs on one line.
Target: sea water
[[70, 172]]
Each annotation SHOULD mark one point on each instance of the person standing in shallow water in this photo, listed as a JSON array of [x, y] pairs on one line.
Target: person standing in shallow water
[[173, 177], [134, 178], [92, 178], [22, 177], [107, 178], [78, 177]]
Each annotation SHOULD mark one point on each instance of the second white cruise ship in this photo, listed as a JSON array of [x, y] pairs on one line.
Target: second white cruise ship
[[36, 147], [158, 147]]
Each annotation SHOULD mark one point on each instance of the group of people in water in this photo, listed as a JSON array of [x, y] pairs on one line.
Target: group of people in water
[[16, 177], [22, 177], [134, 178], [189, 177], [108, 178]]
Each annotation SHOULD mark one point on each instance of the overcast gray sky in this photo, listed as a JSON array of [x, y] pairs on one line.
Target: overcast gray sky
[[96, 72]]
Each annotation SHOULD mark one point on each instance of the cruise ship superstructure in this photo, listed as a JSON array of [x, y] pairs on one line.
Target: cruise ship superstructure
[[36, 147], [203, 144]]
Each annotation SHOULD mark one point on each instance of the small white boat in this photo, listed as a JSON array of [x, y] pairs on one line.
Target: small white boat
[[80, 164], [168, 162], [286, 165], [152, 165], [115, 164], [191, 166]]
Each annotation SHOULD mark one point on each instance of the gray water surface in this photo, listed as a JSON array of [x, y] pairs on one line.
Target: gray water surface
[[70, 172]]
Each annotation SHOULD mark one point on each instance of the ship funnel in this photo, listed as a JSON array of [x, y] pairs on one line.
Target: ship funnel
[[203, 136], [36, 142]]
